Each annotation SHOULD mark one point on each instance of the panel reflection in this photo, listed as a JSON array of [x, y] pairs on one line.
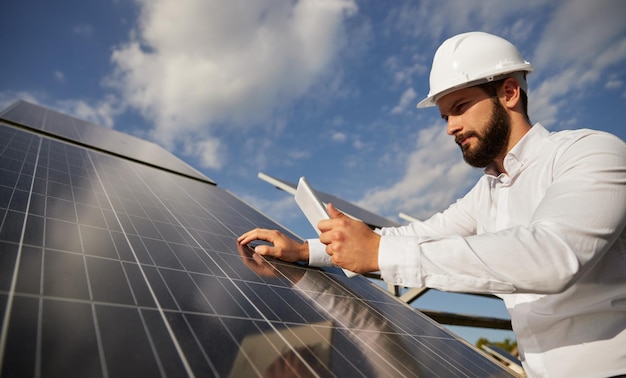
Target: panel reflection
[[378, 349]]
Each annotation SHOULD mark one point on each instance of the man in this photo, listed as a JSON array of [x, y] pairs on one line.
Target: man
[[544, 227]]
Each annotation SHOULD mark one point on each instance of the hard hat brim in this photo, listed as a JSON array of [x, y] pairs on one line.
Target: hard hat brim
[[520, 76]]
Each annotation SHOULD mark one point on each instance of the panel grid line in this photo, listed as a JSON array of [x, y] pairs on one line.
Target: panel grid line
[[179, 350], [103, 364], [39, 342], [11, 295]]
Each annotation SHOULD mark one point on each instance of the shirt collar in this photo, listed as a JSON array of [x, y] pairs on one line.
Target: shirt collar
[[522, 152]]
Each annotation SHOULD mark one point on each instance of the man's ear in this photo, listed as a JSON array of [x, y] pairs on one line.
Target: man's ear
[[511, 92]]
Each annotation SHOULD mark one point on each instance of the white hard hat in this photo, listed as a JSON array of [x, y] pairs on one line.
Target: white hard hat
[[470, 59]]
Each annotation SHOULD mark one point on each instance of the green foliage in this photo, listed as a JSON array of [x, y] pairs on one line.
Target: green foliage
[[507, 344]]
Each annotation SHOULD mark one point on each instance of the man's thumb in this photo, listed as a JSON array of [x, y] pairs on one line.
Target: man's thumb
[[333, 212]]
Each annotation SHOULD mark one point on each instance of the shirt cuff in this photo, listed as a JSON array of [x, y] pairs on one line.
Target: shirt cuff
[[317, 253], [398, 260]]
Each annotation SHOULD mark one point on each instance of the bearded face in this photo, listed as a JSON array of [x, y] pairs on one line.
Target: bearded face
[[491, 142]]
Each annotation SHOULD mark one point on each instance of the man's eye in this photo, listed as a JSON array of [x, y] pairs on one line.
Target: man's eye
[[444, 117], [460, 108]]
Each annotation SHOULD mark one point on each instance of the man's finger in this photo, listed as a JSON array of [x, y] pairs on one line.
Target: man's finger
[[263, 249], [256, 234], [333, 212]]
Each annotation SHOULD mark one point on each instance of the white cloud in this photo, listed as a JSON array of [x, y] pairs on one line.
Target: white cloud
[[83, 30], [101, 113], [431, 19], [403, 74], [338, 121], [567, 62], [7, 98], [59, 75], [561, 47], [406, 100], [283, 210], [358, 144], [613, 83], [338, 136], [207, 152], [434, 177], [193, 65]]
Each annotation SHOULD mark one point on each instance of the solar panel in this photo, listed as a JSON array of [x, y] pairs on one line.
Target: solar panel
[[110, 267], [76, 130]]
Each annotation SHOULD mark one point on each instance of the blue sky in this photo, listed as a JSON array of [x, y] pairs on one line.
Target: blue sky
[[323, 88]]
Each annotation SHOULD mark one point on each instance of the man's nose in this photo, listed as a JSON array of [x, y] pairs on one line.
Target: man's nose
[[454, 125]]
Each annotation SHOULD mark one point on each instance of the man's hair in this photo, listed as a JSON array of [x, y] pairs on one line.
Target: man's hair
[[491, 88]]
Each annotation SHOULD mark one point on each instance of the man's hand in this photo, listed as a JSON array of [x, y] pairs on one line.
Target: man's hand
[[255, 262], [262, 267], [351, 243], [283, 248]]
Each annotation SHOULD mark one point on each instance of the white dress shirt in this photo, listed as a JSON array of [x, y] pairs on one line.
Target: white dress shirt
[[548, 237]]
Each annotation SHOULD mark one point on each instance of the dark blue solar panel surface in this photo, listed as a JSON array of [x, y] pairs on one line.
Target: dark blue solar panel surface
[[74, 129], [109, 267]]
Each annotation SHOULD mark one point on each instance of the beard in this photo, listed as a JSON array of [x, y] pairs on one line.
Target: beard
[[493, 140]]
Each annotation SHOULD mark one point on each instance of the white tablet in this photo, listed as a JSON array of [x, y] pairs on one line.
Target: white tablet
[[313, 209]]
